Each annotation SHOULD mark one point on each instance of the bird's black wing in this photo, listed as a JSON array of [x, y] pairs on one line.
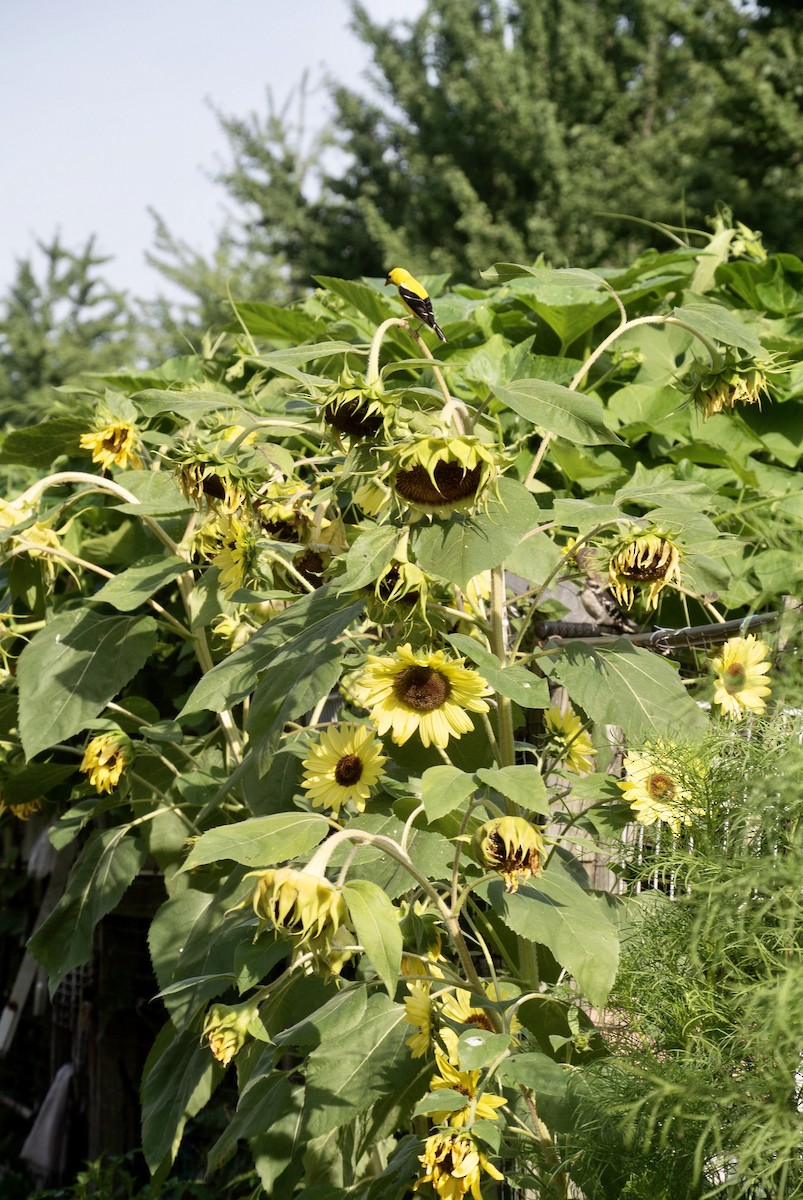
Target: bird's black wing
[[421, 307]]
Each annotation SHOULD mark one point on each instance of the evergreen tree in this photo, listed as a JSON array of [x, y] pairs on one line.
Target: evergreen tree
[[56, 323], [503, 130]]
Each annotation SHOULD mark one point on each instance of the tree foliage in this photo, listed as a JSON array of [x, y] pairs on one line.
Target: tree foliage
[[59, 320], [503, 130]]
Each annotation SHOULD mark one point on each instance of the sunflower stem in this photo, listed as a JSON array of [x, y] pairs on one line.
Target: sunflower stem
[[372, 370], [504, 708], [454, 412]]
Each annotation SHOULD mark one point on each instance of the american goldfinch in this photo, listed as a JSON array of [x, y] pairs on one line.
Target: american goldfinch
[[415, 298]]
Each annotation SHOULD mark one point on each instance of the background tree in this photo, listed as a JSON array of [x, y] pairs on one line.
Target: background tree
[[59, 320], [503, 130]]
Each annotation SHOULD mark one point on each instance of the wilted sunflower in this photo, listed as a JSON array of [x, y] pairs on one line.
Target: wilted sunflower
[[452, 1166], [654, 789], [739, 380], [423, 692], [114, 444], [741, 669], [568, 741], [442, 475], [344, 764], [642, 563], [284, 510], [354, 409], [511, 846], [23, 811], [105, 759], [300, 904], [466, 1083], [400, 593], [227, 1027]]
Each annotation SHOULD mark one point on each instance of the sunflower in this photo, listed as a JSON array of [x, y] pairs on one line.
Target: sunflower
[[452, 1164], [354, 409], [23, 811], [113, 445], [654, 789], [568, 741], [643, 561], [284, 510], [740, 683], [344, 764], [739, 380], [237, 557], [227, 1027], [466, 1083], [105, 759], [511, 846], [418, 1013], [442, 475], [302, 905], [423, 692]]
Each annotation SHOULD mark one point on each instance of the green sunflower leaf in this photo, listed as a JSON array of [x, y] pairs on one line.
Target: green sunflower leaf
[[376, 922]]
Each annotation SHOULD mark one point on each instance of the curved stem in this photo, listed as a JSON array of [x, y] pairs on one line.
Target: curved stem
[[504, 707], [454, 412], [372, 370]]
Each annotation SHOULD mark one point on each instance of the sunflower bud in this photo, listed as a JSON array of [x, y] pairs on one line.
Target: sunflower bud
[[306, 908], [354, 410], [227, 1027], [511, 846], [105, 759]]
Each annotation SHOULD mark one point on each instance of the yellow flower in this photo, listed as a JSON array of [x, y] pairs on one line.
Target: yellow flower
[[303, 906], [442, 475], [643, 562], [105, 759], [399, 592], [113, 445], [511, 846], [424, 692], [464, 1082], [344, 765], [372, 497], [227, 1027], [458, 1008], [740, 683], [22, 811], [212, 484], [418, 1012], [452, 1164], [284, 510], [568, 741], [653, 787], [738, 380], [236, 559]]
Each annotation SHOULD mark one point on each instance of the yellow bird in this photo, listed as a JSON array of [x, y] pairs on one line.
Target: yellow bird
[[415, 298]]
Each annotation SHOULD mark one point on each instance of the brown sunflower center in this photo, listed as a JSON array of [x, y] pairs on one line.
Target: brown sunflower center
[[212, 485], [114, 440], [387, 585], [734, 677], [452, 483], [647, 567], [348, 770], [661, 787], [510, 858], [480, 1020], [422, 688], [352, 417]]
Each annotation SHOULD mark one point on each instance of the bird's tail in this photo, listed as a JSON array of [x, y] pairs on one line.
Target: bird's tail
[[439, 331]]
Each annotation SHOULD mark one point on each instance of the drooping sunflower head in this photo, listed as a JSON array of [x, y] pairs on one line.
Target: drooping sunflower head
[[567, 740], [421, 692], [114, 443], [355, 409], [284, 510], [741, 683], [211, 476], [299, 904], [399, 594], [739, 380], [642, 563], [105, 759], [511, 846], [23, 811], [343, 766], [657, 785], [442, 475], [453, 1164], [227, 1027]]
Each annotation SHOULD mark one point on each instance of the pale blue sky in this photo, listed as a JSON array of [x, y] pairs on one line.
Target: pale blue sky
[[104, 110]]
